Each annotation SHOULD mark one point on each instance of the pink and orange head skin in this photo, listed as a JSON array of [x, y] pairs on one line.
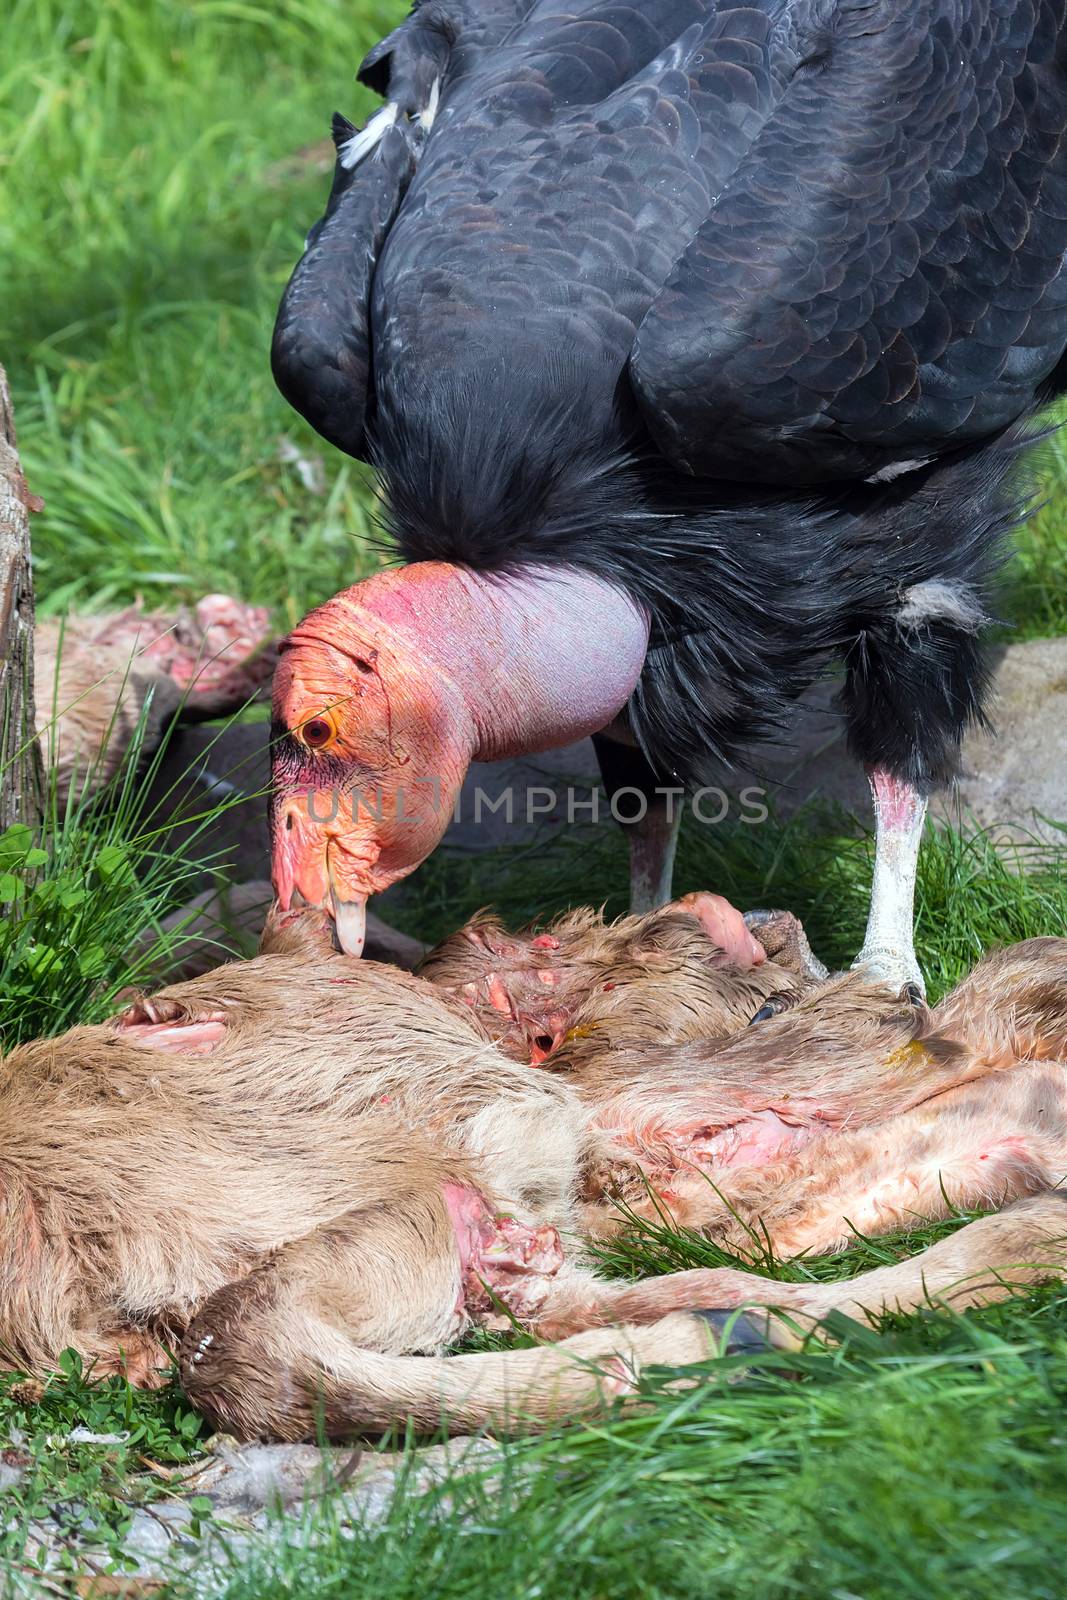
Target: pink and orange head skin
[[386, 693]]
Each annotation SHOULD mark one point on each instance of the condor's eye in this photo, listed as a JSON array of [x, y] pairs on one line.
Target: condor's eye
[[317, 732]]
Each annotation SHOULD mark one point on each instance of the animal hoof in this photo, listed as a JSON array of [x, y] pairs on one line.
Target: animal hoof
[[738, 1335], [203, 1345], [912, 995], [773, 1007]]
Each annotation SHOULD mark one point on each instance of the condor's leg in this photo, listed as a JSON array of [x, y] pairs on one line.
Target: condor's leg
[[651, 815], [888, 952], [916, 677]]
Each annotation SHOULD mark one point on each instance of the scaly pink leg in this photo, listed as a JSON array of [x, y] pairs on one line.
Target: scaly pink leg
[[653, 842], [888, 953]]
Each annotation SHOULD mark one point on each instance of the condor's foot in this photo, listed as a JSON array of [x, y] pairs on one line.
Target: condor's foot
[[782, 936], [896, 968]]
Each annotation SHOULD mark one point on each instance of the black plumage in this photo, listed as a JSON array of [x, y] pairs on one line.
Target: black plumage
[[744, 307]]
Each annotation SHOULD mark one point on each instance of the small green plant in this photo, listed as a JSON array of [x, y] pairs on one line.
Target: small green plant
[[189, 141], [83, 908], [85, 1454], [33, 900], [1035, 594]]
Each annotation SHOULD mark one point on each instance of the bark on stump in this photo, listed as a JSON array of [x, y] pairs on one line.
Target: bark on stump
[[21, 783]]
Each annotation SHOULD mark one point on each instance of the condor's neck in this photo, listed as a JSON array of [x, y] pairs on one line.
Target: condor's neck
[[539, 657]]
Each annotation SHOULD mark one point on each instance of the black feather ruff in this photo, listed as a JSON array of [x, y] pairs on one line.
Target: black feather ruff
[[750, 596]]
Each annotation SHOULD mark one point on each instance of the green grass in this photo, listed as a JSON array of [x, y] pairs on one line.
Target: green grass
[[919, 1459], [153, 210], [924, 1460], [160, 161], [84, 909], [1035, 598]]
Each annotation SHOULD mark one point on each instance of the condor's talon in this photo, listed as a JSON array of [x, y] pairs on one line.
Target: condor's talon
[[782, 936], [773, 1007]]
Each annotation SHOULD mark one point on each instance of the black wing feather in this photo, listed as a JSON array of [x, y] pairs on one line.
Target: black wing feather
[[321, 354], [434, 39], [321, 351], [881, 277]]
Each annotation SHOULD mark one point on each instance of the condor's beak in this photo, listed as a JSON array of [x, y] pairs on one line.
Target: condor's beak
[[350, 918], [323, 864]]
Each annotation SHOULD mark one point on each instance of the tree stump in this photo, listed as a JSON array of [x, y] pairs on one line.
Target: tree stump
[[21, 782]]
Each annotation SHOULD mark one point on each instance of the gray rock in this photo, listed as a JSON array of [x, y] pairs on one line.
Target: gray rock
[[12, 1469], [204, 764], [1015, 779], [250, 1485]]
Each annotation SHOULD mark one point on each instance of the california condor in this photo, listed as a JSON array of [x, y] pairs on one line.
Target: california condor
[[696, 345]]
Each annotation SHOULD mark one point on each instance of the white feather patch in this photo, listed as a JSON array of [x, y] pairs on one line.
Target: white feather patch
[[938, 601], [429, 110], [351, 153], [897, 469]]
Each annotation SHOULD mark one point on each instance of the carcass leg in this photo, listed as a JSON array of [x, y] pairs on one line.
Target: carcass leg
[[317, 1341], [979, 1144], [987, 1260]]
